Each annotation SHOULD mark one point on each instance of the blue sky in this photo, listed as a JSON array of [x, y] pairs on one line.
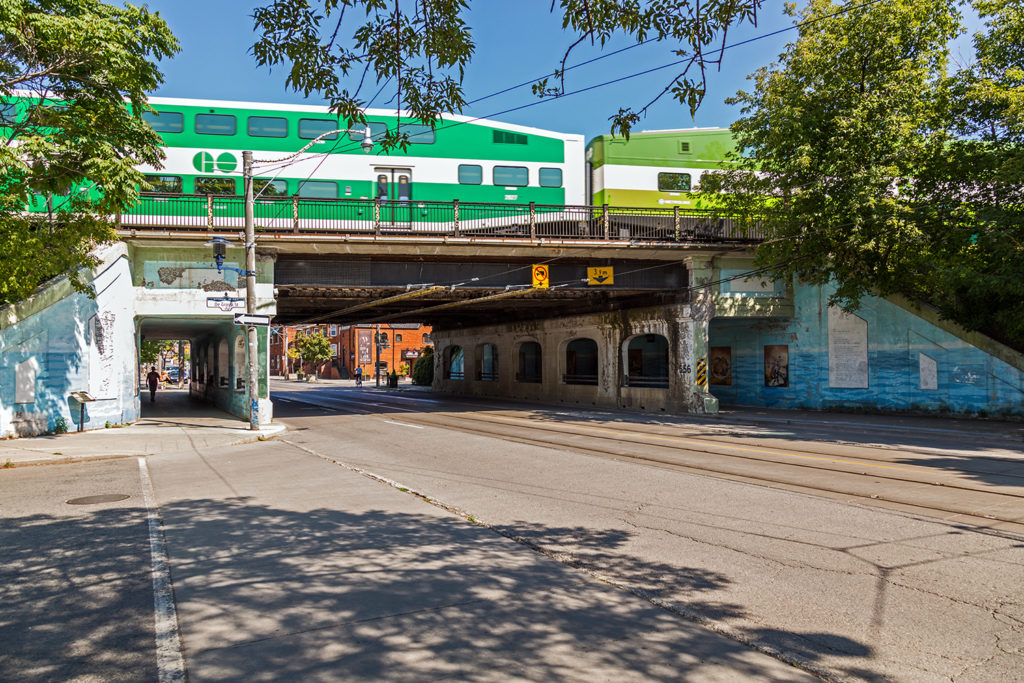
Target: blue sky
[[516, 42]]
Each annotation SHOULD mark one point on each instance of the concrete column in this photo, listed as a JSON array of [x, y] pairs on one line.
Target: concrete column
[[702, 310]]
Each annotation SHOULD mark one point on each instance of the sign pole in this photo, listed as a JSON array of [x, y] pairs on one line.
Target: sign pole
[[250, 292]]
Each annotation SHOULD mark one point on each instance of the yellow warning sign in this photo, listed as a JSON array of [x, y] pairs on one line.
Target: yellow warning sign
[[540, 276], [604, 275]]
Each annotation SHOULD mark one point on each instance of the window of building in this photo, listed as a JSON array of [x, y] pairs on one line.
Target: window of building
[[515, 176], [165, 121], [398, 338], [314, 128], [378, 130], [418, 133], [215, 124], [426, 338], [581, 362], [275, 188], [268, 126], [324, 189], [550, 177], [454, 363], [529, 362], [334, 330], [215, 185], [487, 363], [170, 184], [647, 361], [470, 174], [674, 182], [334, 350], [504, 137]]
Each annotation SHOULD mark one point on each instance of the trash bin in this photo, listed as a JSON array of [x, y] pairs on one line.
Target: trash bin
[[392, 381]]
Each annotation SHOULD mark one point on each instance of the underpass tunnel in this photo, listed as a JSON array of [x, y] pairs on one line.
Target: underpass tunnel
[[216, 366]]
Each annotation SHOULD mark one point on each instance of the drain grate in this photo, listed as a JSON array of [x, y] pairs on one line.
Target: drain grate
[[103, 498]]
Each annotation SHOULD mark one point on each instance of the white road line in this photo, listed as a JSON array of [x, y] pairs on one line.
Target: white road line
[[402, 424], [170, 663]]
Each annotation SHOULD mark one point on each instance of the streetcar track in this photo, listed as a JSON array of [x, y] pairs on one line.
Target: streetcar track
[[461, 422], [872, 500]]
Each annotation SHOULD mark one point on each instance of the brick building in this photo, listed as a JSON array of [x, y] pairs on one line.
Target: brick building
[[352, 345]]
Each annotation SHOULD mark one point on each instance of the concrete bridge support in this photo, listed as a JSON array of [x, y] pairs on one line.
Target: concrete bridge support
[[643, 359]]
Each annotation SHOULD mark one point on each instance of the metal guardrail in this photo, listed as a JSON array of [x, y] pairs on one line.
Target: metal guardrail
[[298, 215]]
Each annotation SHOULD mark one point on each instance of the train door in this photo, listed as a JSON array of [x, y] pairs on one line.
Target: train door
[[394, 190]]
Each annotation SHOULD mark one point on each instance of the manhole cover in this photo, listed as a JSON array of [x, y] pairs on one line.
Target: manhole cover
[[104, 498]]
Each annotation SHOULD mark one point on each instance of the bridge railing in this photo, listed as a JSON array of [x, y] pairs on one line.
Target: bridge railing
[[457, 219]]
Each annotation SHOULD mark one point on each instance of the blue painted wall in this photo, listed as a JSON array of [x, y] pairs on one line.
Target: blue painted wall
[[77, 343], [969, 379]]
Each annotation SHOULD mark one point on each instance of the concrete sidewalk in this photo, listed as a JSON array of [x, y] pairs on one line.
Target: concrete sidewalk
[[174, 423]]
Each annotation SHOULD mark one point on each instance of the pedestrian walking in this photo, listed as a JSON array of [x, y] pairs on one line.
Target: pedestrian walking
[[359, 376], [153, 380]]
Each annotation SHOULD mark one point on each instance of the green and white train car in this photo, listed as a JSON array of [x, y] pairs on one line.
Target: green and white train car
[[472, 160], [655, 169]]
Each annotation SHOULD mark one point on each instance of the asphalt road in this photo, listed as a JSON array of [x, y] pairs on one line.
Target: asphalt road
[[866, 550], [405, 536]]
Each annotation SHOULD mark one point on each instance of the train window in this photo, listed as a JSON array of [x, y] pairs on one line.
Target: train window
[[322, 189], [515, 176], [504, 137], [268, 126], [8, 113], [418, 133], [378, 130], [275, 188], [165, 183], [470, 174], [209, 185], [314, 128], [550, 177], [674, 182], [215, 124], [165, 121]]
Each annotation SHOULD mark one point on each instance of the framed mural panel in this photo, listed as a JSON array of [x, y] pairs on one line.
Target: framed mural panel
[[776, 365], [720, 364]]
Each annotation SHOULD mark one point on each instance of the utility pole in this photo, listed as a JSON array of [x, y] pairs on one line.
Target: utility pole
[[250, 292], [376, 360]]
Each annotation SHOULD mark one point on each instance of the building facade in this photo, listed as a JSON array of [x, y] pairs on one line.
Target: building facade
[[351, 346]]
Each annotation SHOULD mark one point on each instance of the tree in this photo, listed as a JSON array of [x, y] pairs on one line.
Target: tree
[[150, 350], [423, 369], [70, 147], [973, 220], [314, 349], [425, 48]]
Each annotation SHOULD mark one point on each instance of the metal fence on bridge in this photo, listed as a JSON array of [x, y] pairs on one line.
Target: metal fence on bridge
[[454, 219]]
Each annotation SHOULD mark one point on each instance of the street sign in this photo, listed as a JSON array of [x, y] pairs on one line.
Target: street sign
[[540, 276], [604, 275], [225, 303], [252, 319]]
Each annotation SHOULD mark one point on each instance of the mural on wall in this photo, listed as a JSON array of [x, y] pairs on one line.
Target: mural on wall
[[720, 360], [101, 356], [847, 350], [929, 370], [776, 365]]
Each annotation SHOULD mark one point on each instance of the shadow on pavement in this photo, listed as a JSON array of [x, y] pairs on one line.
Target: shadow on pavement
[[325, 594]]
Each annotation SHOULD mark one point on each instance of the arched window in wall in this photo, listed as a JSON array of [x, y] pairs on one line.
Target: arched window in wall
[[487, 363], [529, 363], [581, 362], [240, 364], [454, 360], [647, 361]]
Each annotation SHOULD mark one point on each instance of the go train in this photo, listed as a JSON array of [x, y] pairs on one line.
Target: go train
[[471, 160]]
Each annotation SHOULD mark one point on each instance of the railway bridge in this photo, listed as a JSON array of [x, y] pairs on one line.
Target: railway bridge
[[620, 319]]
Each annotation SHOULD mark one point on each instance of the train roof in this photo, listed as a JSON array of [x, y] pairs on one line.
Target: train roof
[[391, 113]]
